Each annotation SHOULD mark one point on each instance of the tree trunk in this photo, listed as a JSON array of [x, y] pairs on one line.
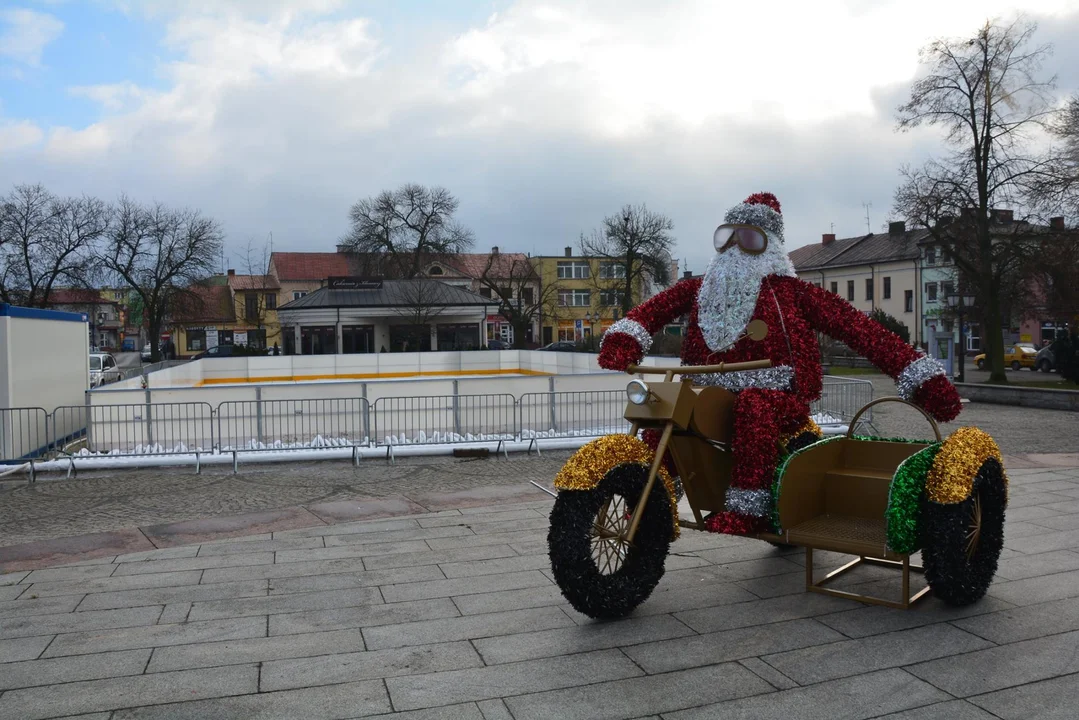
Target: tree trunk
[[154, 328], [993, 344]]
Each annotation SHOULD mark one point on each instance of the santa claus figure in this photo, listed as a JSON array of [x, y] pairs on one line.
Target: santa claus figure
[[751, 278]]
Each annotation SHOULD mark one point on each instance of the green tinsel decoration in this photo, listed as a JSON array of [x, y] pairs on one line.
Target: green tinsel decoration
[[906, 498]]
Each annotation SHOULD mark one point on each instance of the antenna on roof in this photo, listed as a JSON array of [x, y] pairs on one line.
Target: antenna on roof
[[271, 242], [867, 205], [832, 225]]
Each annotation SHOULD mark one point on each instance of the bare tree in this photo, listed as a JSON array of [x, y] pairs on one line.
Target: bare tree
[[401, 231], [515, 286], [987, 94], [47, 242], [160, 252], [419, 304], [635, 250], [258, 287]]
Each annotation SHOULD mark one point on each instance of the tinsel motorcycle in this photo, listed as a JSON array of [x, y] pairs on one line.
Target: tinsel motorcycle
[[882, 500]]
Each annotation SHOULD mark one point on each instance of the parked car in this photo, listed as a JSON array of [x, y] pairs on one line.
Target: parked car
[[561, 346], [103, 369], [215, 352], [1045, 360], [498, 345], [1015, 357], [146, 353]]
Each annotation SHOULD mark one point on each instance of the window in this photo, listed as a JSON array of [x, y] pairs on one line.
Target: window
[[835, 287], [527, 295], [931, 292], [850, 290], [611, 298], [485, 292], [816, 284], [271, 301], [196, 340], [908, 301], [869, 288], [887, 288], [573, 270], [930, 256], [946, 289], [251, 306], [574, 298], [506, 292], [298, 294], [612, 270], [436, 270]]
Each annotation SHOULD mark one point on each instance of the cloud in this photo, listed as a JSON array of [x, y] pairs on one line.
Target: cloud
[[15, 136], [26, 33], [541, 119]]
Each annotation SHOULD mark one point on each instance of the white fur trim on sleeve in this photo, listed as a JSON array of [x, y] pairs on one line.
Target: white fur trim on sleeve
[[918, 372], [632, 328]]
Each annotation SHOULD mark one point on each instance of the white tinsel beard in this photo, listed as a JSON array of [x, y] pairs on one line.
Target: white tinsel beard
[[728, 294]]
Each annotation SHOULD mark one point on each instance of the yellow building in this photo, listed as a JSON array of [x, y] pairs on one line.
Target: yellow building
[[228, 310], [584, 295]]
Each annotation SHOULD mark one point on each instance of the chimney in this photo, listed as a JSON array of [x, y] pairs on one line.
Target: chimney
[[897, 228], [1004, 217], [231, 272], [687, 274], [569, 251], [494, 250], [827, 238], [1056, 223]]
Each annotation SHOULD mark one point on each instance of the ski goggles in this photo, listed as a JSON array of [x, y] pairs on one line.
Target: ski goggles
[[749, 238]]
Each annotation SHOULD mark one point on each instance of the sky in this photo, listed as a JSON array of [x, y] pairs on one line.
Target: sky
[[541, 116]]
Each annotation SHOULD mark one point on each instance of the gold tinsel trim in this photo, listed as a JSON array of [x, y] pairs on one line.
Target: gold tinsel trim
[[961, 456], [808, 426], [590, 464]]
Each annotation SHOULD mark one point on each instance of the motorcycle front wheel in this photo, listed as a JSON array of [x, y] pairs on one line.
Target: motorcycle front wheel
[[598, 573]]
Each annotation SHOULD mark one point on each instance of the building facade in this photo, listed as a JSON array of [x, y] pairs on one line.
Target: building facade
[[104, 316], [227, 309]]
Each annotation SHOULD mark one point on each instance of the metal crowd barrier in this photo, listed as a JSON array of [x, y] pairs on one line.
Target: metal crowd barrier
[[277, 425], [445, 419], [147, 429], [842, 398], [588, 413]]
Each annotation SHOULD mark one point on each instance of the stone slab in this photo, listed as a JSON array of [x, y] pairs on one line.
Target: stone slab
[[1053, 699], [364, 508], [437, 557], [874, 620], [292, 602], [1025, 623], [163, 596], [114, 584], [194, 563], [572, 640], [191, 532], [257, 649], [1037, 589], [473, 568], [635, 697], [349, 551], [28, 556], [31, 604], [856, 698], [81, 643], [1004, 666], [409, 533], [464, 586], [493, 602], [348, 580], [76, 668], [75, 572], [84, 621], [949, 710], [1026, 566], [727, 645], [443, 688], [470, 627], [350, 666], [24, 648], [479, 521], [240, 545], [112, 693], [365, 616], [824, 662], [759, 612]]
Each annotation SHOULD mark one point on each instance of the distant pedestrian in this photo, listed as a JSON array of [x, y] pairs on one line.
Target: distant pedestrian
[[276, 350]]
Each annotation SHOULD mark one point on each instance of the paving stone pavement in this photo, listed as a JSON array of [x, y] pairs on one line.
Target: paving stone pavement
[[453, 614]]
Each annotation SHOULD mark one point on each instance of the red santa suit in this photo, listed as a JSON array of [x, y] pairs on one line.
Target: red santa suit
[[740, 287]]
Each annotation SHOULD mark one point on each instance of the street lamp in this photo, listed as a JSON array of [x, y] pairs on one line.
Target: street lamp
[[959, 303], [591, 320]]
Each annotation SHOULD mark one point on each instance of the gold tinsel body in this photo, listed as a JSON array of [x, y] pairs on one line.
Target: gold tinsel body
[[590, 464], [952, 476], [808, 426]]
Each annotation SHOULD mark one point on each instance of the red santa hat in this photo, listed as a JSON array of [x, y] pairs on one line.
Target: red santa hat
[[760, 209]]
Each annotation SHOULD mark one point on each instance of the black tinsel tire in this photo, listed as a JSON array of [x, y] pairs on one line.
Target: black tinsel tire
[[958, 576], [605, 596]]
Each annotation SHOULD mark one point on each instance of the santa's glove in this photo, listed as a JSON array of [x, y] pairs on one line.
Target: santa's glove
[[938, 397], [619, 351]]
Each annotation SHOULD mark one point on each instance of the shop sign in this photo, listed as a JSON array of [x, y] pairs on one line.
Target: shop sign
[[353, 283], [211, 338]]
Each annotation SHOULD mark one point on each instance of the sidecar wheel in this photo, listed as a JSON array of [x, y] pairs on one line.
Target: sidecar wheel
[[598, 575], [964, 540]]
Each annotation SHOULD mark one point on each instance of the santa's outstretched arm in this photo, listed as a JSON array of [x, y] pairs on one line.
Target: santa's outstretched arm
[[919, 378], [627, 341]]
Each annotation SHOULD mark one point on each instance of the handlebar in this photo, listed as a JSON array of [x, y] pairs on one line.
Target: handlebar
[[698, 369]]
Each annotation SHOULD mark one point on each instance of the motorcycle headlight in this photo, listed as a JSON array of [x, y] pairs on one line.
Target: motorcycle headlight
[[637, 391]]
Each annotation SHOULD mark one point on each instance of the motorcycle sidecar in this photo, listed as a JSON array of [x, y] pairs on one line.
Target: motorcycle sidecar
[[885, 499]]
